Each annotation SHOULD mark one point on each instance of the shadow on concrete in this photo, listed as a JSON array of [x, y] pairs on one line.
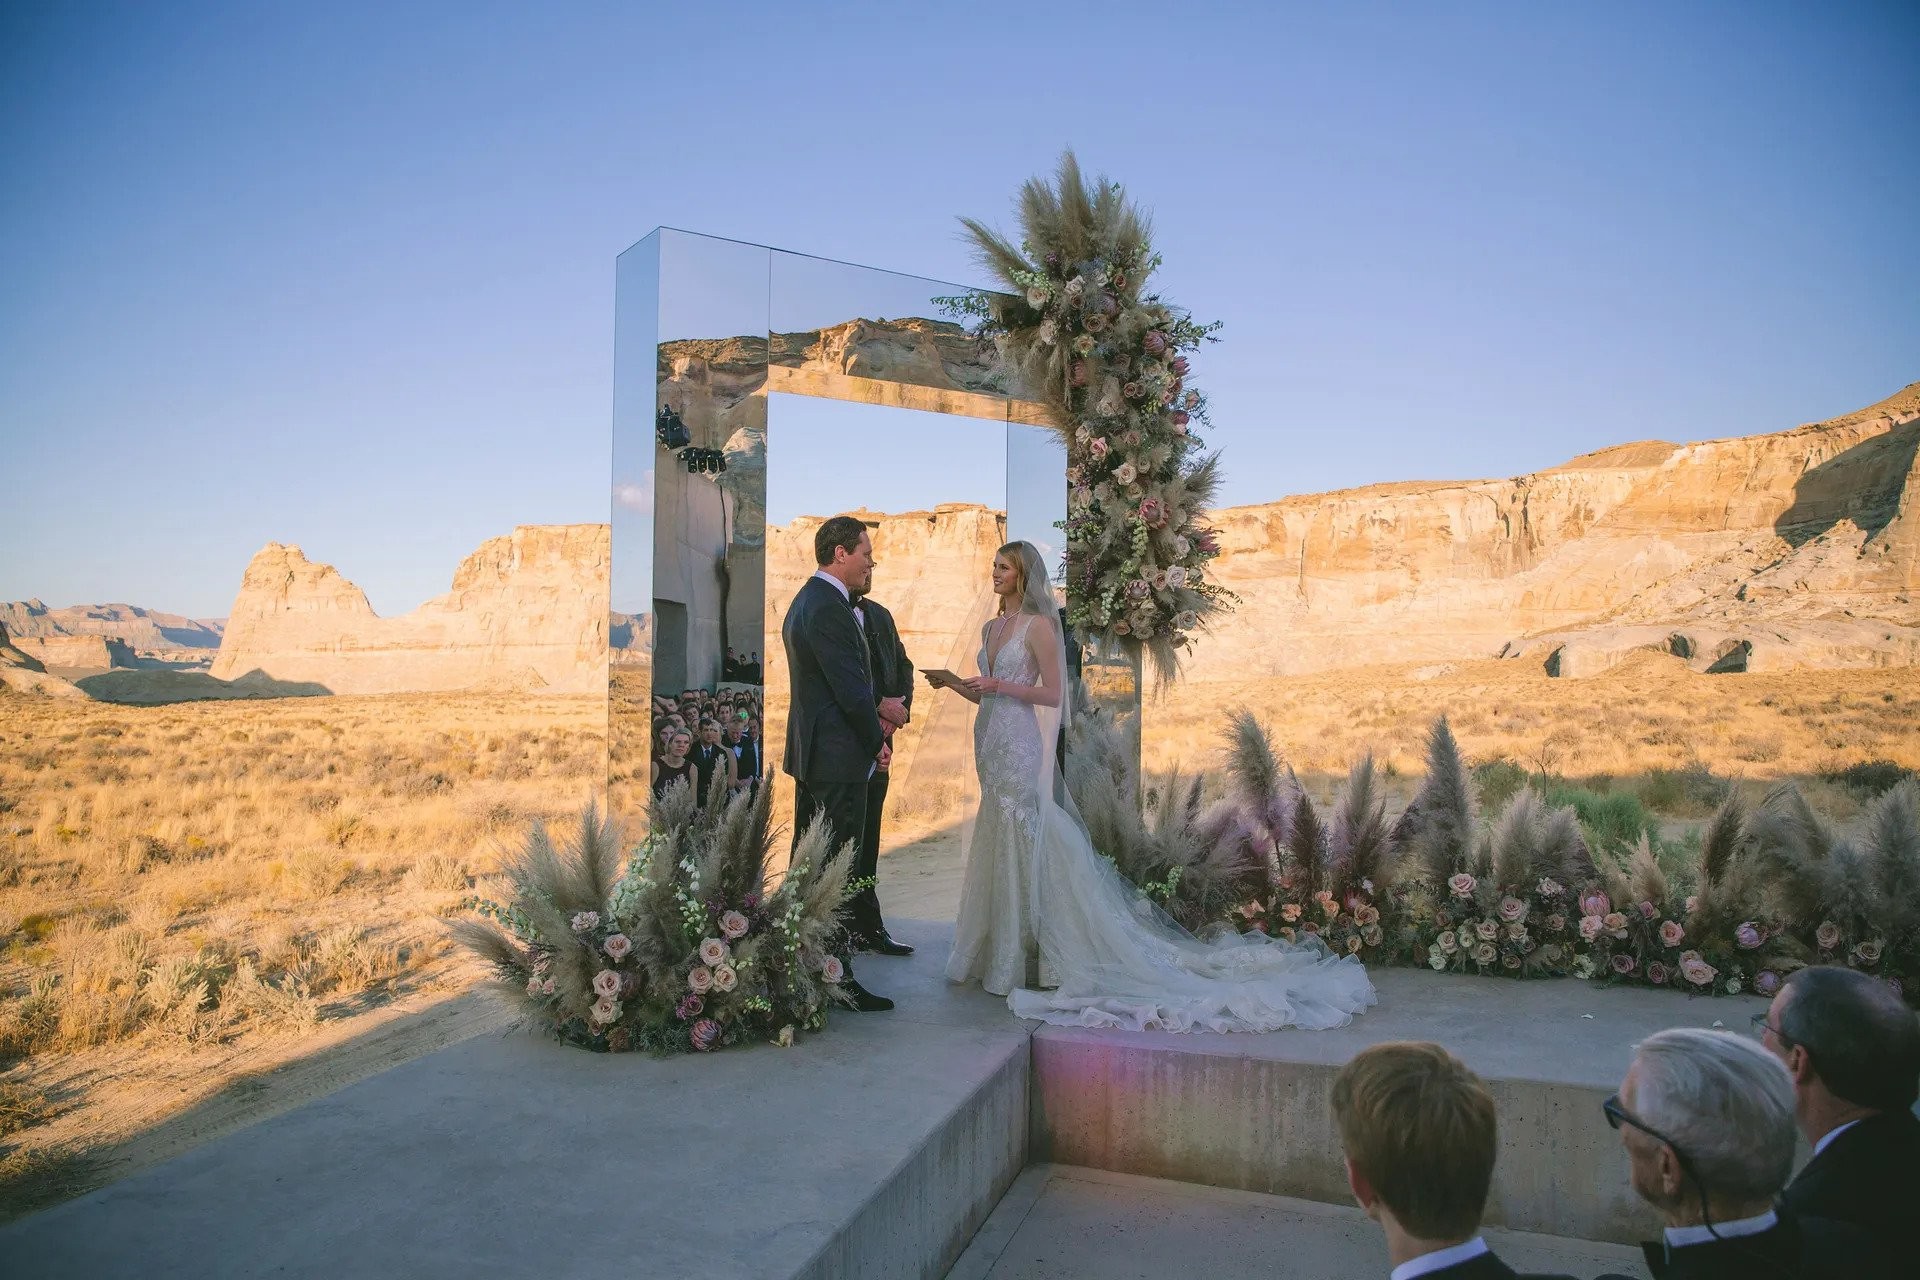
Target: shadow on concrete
[[1862, 484]]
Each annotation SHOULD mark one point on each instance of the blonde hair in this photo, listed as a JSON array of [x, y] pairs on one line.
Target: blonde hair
[[1035, 594], [1420, 1127]]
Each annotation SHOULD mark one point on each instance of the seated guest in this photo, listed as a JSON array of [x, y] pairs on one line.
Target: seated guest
[[1853, 1049], [1418, 1130], [711, 758], [672, 767], [1706, 1118]]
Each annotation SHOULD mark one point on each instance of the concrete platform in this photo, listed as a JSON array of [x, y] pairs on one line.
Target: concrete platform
[[873, 1150], [1251, 1112], [1060, 1222]]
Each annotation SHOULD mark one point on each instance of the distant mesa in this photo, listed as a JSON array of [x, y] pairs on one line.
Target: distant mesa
[[146, 631], [1796, 549], [527, 612]]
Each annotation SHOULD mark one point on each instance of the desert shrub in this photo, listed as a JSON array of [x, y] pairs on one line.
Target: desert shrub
[[1496, 781], [22, 1107], [1871, 777], [1690, 792], [437, 873], [1613, 819]]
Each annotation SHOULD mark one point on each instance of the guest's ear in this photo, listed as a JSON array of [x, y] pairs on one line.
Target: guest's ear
[[1363, 1193]]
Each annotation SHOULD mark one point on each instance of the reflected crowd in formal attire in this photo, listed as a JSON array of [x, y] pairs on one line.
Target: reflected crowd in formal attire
[[699, 734]]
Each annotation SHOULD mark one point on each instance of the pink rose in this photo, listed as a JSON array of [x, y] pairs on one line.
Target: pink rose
[[1483, 953], [605, 1010], [533, 986], [705, 1034], [1512, 909], [1290, 912], [617, 947], [1131, 390], [1648, 911], [725, 979], [713, 951], [1656, 973], [1366, 914], [1353, 944], [1671, 934], [1510, 961], [1827, 935], [1698, 971], [1447, 943], [1616, 924], [1867, 952], [1692, 903], [606, 983], [700, 981], [1126, 473], [1622, 962], [546, 986], [1748, 936], [1097, 447], [833, 971], [1160, 580], [734, 925], [1590, 927], [1487, 929], [1461, 885]]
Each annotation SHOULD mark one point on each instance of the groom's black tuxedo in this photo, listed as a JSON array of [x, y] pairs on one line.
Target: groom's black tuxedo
[[833, 729], [892, 678]]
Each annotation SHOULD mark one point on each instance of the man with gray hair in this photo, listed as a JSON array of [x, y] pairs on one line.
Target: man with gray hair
[[1852, 1047], [1706, 1118]]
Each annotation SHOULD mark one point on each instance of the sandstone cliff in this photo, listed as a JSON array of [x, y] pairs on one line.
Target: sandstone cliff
[[1798, 548], [78, 652], [526, 612], [146, 631]]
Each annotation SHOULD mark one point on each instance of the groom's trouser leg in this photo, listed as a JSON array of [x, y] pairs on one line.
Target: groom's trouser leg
[[845, 807], [865, 907]]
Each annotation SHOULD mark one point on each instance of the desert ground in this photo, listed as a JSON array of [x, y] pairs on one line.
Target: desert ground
[[209, 908], [214, 911]]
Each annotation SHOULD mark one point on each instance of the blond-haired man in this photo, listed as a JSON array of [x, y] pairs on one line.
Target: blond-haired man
[[1419, 1133]]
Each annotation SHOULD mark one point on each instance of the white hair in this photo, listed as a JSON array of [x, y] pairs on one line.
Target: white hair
[[1724, 1103]]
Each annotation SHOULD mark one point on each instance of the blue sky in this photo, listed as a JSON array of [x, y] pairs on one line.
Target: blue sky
[[342, 275]]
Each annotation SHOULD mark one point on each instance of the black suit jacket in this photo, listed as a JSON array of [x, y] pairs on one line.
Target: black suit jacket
[[1794, 1248], [1869, 1176], [892, 669], [833, 731], [1485, 1267]]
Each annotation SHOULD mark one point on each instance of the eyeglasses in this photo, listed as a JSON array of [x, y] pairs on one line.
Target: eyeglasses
[[1617, 1115], [1761, 1026]]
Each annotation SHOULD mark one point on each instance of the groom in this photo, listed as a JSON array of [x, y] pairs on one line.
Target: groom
[[834, 732]]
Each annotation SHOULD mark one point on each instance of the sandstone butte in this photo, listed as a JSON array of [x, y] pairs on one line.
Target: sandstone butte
[[527, 612], [143, 630]]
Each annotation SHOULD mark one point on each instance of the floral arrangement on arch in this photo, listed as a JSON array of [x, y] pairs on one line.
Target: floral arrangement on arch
[[1109, 359], [1522, 893], [684, 948]]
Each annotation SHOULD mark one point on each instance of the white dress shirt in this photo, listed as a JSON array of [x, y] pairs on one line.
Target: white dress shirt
[[1440, 1259], [1831, 1134], [1680, 1237], [835, 583]]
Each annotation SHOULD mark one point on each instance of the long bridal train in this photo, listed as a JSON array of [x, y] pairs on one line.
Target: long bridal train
[[1036, 889]]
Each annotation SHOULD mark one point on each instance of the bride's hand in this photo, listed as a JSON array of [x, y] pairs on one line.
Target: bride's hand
[[982, 685]]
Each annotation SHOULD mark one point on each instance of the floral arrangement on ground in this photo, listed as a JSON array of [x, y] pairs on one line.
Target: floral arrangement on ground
[[1078, 329], [1523, 892], [683, 948]]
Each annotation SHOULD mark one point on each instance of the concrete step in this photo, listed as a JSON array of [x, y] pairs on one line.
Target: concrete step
[[1062, 1221]]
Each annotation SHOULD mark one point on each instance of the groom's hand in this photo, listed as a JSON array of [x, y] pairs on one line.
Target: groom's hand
[[894, 711]]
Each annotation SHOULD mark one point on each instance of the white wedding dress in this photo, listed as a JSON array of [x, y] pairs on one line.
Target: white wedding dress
[[1037, 891]]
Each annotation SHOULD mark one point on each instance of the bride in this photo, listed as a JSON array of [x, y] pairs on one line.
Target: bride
[[1037, 890]]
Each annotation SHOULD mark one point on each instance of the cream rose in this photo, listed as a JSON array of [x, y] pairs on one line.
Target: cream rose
[[713, 952], [725, 979], [606, 983], [617, 947], [734, 925], [700, 981]]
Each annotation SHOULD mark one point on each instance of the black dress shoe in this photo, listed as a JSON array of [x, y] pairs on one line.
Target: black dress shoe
[[885, 944], [861, 1000]]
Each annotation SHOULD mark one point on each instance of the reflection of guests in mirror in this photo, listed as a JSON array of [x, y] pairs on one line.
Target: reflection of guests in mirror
[[746, 752], [672, 765], [712, 758]]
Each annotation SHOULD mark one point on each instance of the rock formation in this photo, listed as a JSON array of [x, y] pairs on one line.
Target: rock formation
[[147, 632], [1795, 549], [22, 673], [527, 612], [78, 652]]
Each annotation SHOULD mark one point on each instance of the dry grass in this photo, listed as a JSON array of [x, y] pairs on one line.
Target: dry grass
[[183, 877], [1650, 726]]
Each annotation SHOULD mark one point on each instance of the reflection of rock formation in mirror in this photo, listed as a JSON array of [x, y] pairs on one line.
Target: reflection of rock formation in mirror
[[709, 557]]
